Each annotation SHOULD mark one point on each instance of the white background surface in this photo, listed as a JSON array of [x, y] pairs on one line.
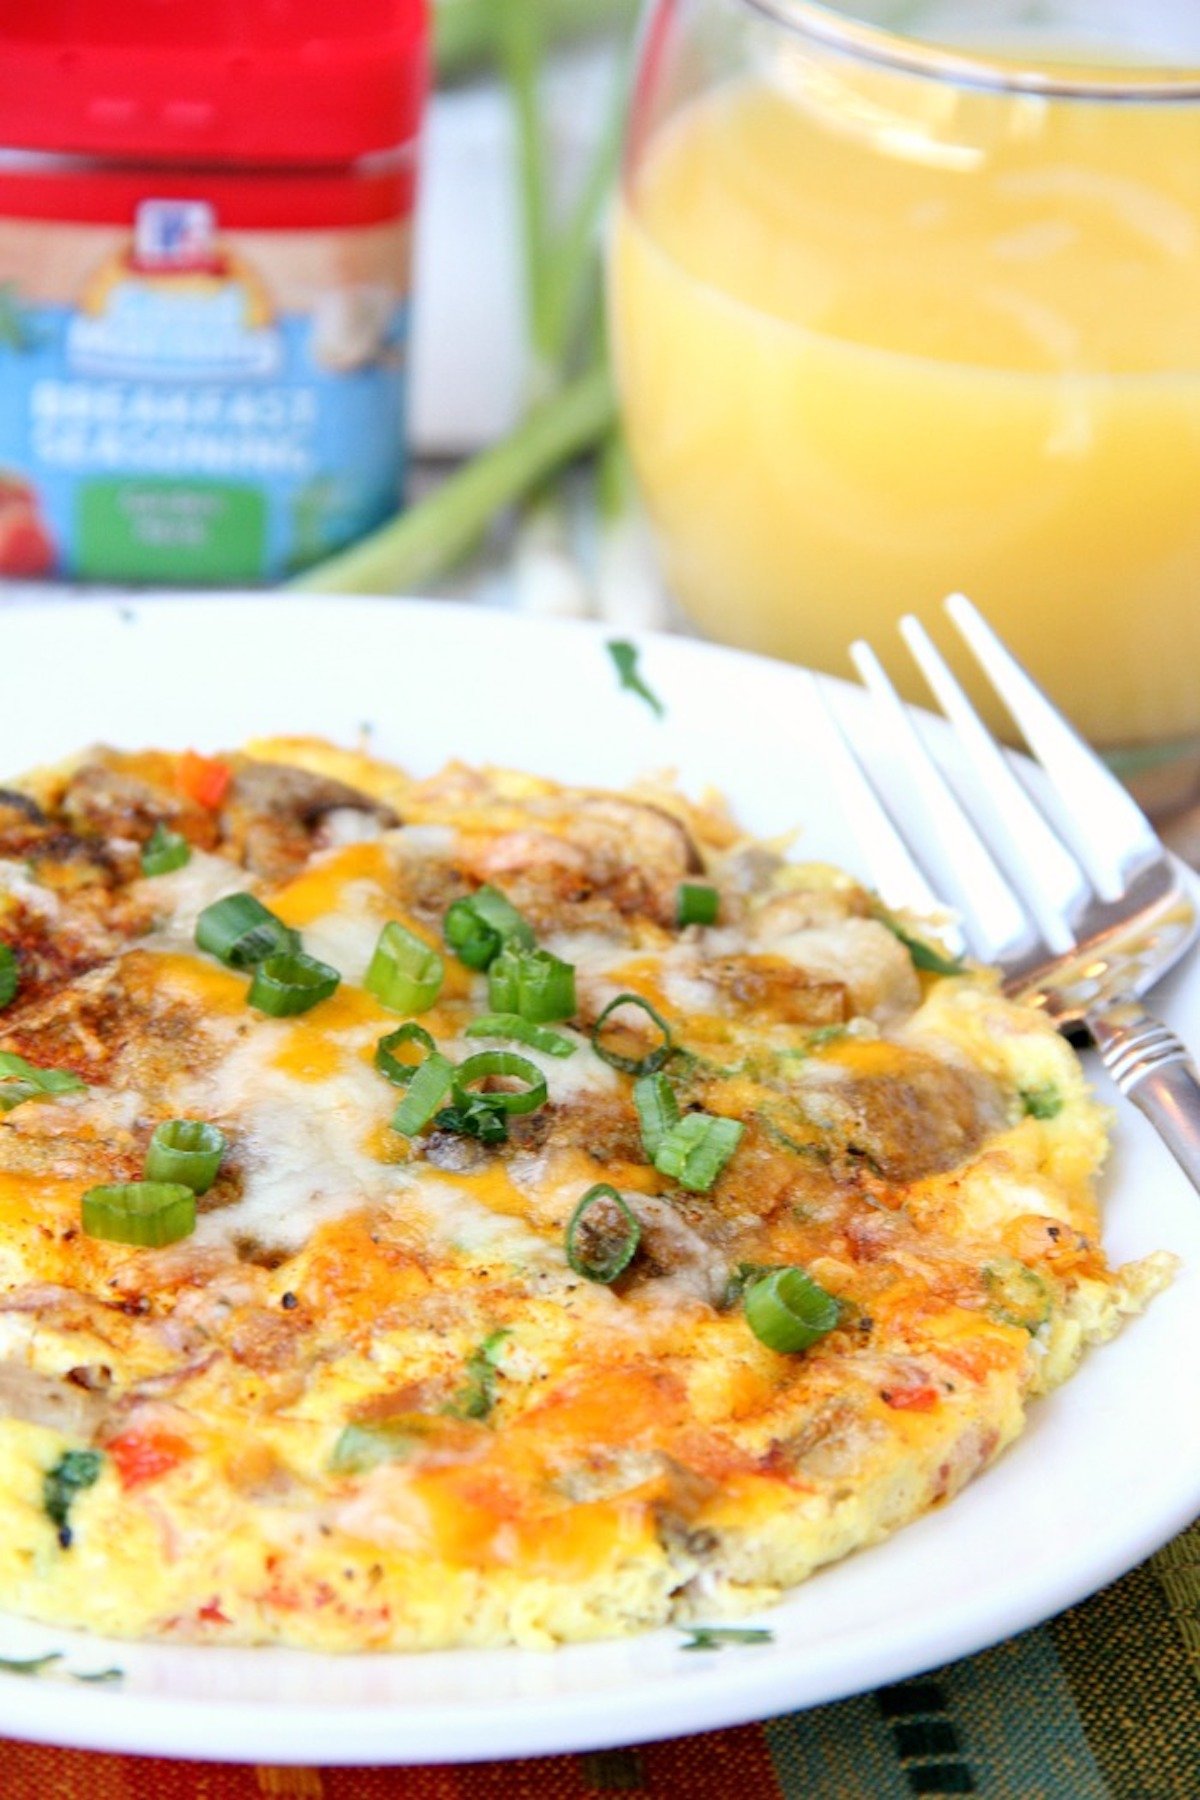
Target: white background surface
[[1110, 1467]]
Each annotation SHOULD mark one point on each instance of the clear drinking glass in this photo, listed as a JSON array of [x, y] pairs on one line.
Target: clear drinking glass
[[905, 299]]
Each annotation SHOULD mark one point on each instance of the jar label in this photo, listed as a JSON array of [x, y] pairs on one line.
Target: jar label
[[183, 404]]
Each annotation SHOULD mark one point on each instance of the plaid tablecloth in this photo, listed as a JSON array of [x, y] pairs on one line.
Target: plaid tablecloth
[[1103, 1703]]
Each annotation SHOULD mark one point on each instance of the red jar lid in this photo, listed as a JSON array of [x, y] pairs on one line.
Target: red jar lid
[[281, 81]]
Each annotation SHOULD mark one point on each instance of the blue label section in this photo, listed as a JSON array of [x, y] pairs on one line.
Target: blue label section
[[184, 437]]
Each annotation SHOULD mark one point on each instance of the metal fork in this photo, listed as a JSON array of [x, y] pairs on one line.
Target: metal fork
[[1058, 877]]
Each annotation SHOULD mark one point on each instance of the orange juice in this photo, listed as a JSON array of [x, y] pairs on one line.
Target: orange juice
[[878, 339]]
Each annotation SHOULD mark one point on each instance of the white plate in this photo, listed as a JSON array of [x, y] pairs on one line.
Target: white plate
[[1110, 1466]]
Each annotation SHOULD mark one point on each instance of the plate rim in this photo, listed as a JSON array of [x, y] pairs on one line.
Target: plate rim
[[729, 1693]]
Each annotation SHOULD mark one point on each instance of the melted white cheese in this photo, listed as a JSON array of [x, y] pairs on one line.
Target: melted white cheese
[[300, 1143], [464, 1223], [347, 937], [16, 880], [181, 896]]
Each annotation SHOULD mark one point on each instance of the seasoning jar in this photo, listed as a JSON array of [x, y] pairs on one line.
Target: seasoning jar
[[205, 226]]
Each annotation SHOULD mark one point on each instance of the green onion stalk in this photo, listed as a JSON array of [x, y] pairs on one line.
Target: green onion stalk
[[571, 402]]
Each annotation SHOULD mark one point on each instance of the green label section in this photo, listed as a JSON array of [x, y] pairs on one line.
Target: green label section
[[202, 531]]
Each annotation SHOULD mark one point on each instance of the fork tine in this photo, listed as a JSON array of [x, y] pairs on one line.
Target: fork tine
[[1106, 829], [1048, 878], [891, 867], [993, 917]]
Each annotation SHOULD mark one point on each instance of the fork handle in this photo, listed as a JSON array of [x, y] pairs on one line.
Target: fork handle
[[1154, 1069]]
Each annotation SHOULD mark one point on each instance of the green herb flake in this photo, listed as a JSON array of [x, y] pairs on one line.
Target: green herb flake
[[363, 1447], [29, 1665], [9, 974], [477, 1396], [925, 957], [97, 1677], [21, 1081], [74, 1471], [718, 1637], [1044, 1102], [625, 661], [1018, 1295]]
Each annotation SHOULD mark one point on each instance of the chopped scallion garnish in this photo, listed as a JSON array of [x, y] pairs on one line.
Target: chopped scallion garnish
[[717, 1637], [477, 1396], [694, 1151], [475, 1118], [625, 661], [657, 1110], [164, 851], [363, 1447], [602, 1235], [187, 1151], [74, 1471], [521, 1031], [240, 932], [490, 1064], [478, 928], [29, 1665], [697, 903], [633, 1065], [1042, 1102], [291, 982], [148, 1213], [387, 1060], [535, 984], [925, 956], [787, 1311], [404, 974], [472, 941], [9, 974], [429, 1086]]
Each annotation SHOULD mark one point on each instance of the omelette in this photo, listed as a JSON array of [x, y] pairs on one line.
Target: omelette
[[475, 1210]]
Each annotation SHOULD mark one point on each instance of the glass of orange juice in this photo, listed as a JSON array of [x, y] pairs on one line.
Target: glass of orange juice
[[905, 298]]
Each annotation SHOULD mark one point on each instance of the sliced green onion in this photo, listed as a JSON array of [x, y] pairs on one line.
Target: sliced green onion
[[475, 1119], [633, 1065], [657, 1110], [538, 986], [924, 956], [75, 1471], [1018, 1294], [150, 1213], [787, 1311], [389, 1064], [188, 1151], [478, 928], [694, 1151], [697, 904], [164, 850], [1043, 1102], [477, 1395], [521, 1031], [602, 1235], [488, 1063], [404, 974], [362, 1447], [473, 942], [9, 974], [716, 1637], [625, 661], [21, 1080], [292, 982], [240, 932], [428, 1088]]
